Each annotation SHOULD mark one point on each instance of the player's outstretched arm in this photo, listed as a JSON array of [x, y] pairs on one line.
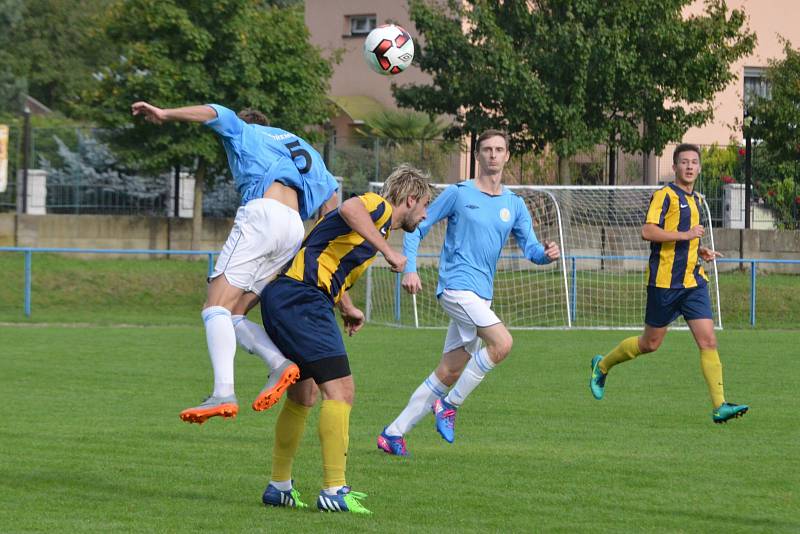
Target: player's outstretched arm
[[656, 234], [357, 217], [158, 115]]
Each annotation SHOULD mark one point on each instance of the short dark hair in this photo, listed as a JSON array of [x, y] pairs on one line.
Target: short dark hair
[[253, 116], [486, 134], [685, 147]]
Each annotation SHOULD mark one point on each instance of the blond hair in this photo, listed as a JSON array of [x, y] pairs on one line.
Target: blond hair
[[405, 181]]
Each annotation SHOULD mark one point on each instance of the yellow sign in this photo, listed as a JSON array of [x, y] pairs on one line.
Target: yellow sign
[[3, 157]]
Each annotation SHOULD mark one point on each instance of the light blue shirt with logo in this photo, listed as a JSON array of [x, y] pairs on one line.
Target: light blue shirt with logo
[[478, 225]]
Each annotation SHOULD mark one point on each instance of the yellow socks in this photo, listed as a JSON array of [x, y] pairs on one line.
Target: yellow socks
[[627, 350], [334, 436], [288, 431], [712, 372]]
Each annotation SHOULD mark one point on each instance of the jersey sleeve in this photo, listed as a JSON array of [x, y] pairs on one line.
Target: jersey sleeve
[[227, 123], [439, 209], [659, 204], [379, 210], [526, 238]]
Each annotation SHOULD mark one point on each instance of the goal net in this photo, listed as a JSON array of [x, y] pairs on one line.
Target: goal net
[[599, 282]]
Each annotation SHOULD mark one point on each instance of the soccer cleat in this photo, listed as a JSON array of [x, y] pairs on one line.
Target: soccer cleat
[[445, 414], [211, 407], [394, 445], [728, 411], [275, 497], [279, 380], [345, 500], [597, 382]]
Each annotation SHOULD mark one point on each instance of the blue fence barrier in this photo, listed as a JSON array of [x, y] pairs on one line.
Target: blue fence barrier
[[572, 260]]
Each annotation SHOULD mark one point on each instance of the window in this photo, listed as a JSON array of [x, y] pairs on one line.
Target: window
[[361, 24], [755, 84]]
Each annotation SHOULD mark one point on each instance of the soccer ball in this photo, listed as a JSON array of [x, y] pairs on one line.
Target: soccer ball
[[388, 49]]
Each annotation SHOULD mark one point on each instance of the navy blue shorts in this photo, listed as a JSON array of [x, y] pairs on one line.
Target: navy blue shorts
[[300, 320], [664, 305]]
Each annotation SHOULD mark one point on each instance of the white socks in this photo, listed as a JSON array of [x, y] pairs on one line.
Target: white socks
[[254, 340], [284, 485], [419, 405], [473, 374], [221, 340]]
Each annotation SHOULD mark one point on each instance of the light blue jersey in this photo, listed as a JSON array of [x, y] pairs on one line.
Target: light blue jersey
[[259, 155], [478, 225]]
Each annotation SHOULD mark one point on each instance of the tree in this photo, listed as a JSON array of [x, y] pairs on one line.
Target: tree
[[634, 74], [240, 53], [50, 48]]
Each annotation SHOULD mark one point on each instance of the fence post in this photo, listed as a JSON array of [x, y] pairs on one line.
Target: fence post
[[574, 290], [752, 293], [28, 260]]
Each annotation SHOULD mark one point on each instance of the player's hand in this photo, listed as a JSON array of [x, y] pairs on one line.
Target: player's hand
[[353, 320], [412, 283], [396, 261], [551, 250], [695, 232], [150, 113], [707, 254]]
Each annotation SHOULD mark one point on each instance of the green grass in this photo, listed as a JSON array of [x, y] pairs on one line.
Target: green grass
[[67, 288], [91, 441]]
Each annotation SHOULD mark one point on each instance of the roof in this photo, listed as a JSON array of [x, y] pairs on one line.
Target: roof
[[358, 107]]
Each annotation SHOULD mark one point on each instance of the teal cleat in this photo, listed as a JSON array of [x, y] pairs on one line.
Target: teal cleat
[[728, 411], [597, 382]]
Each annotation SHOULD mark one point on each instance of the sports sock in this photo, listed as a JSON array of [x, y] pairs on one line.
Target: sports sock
[[331, 491], [283, 485], [712, 372], [628, 349], [473, 374], [419, 405], [334, 437], [255, 340], [221, 340], [288, 430]]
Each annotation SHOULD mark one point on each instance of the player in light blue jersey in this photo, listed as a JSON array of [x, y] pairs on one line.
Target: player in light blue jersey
[[480, 215], [282, 180]]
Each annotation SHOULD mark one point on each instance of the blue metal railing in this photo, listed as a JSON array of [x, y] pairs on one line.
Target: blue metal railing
[[28, 254]]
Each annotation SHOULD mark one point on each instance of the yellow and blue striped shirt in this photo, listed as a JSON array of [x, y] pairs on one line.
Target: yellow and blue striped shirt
[[333, 256], [675, 264]]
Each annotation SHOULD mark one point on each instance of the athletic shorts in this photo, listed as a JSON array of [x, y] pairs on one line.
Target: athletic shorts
[[467, 312], [265, 236], [664, 305], [300, 319]]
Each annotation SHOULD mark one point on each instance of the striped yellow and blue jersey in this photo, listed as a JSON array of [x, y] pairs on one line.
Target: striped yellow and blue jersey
[[675, 264], [333, 256]]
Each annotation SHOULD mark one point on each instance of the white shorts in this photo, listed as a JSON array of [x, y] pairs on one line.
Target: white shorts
[[467, 312], [265, 236]]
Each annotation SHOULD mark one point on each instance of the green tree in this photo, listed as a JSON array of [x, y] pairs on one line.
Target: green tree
[[239, 53], [634, 74], [50, 48]]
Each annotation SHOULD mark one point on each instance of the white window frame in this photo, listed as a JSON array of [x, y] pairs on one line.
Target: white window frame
[[361, 24]]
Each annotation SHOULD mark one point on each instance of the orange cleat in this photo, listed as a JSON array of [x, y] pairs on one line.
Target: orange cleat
[[211, 407], [279, 381]]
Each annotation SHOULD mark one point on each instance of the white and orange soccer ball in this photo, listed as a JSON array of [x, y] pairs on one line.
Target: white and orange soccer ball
[[388, 49]]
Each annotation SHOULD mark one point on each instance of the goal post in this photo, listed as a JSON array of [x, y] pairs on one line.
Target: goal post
[[599, 282]]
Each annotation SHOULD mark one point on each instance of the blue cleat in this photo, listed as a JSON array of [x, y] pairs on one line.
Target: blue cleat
[[597, 382], [445, 414], [728, 411], [275, 497], [344, 501], [394, 445]]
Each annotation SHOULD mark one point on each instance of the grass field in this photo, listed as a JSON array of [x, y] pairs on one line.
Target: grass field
[[91, 441]]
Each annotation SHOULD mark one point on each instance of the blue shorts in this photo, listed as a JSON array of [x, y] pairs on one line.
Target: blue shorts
[[299, 319], [664, 305]]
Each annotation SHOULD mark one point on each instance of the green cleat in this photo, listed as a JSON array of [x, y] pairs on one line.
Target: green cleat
[[345, 500], [597, 382], [727, 411]]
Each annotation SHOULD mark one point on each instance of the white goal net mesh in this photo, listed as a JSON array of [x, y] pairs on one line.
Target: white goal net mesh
[[599, 283]]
